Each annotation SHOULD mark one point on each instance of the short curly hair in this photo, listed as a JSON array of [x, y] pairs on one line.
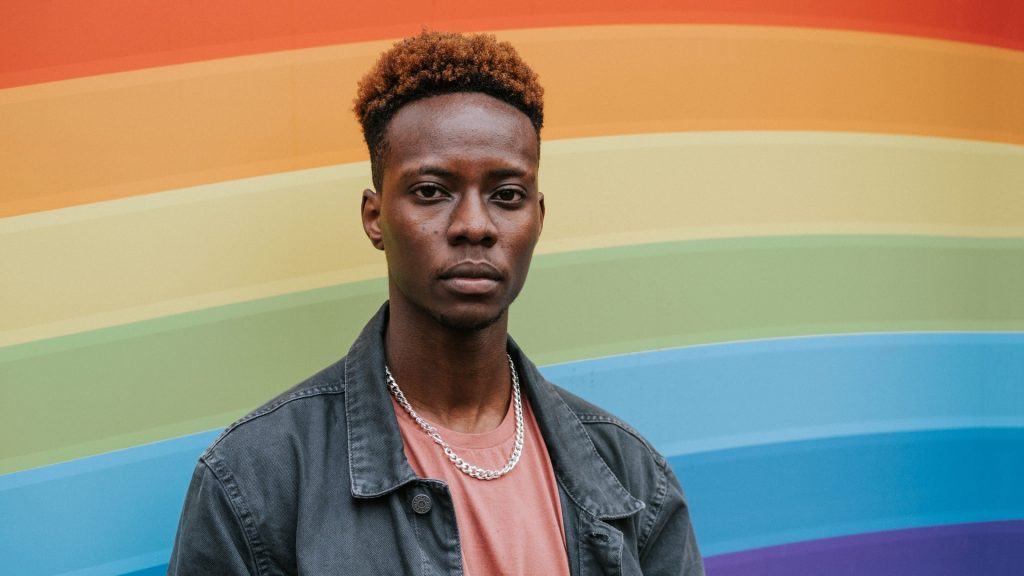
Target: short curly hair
[[434, 63]]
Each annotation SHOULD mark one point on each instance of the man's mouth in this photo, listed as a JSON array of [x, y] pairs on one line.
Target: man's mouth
[[471, 277], [474, 270]]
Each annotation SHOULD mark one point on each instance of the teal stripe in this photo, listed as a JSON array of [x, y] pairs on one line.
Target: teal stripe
[[109, 389]]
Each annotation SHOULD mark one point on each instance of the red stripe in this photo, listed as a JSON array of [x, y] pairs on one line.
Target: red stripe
[[43, 41]]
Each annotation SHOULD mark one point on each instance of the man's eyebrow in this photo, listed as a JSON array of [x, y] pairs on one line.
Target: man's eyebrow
[[501, 173], [427, 170], [433, 170]]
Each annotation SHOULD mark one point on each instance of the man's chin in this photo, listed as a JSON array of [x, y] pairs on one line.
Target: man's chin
[[469, 322]]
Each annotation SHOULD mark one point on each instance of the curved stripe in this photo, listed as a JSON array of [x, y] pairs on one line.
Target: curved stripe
[[739, 499], [43, 42], [155, 569], [108, 514], [989, 548], [692, 292], [696, 292], [249, 116], [283, 233], [780, 494], [722, 396], [915, 382], [155, 565]]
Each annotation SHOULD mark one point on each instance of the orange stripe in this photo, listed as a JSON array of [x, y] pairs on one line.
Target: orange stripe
[[108, 137], [59, 39]]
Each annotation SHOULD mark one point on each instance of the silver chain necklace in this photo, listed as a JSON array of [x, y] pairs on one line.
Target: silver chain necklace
[[466, 467]]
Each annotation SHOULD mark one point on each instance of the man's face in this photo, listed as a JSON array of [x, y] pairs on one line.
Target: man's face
[[459, 213]]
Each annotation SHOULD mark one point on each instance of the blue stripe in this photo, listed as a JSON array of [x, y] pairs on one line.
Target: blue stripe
[[192, 444], [775, 441], [145, 565], [992, 549], [158, 570], [779, 494], [108, 514], [714, 397]]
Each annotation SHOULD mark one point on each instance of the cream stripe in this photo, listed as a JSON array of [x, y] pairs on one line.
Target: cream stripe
[[98, 265]]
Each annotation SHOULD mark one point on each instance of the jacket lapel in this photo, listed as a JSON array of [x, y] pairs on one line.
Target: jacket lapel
[[377, 463]]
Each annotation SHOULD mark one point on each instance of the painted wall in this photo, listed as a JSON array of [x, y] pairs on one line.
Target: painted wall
[[785, 239]]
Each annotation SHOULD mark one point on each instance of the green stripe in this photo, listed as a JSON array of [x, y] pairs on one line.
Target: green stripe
[[108, 389], [621, 300]]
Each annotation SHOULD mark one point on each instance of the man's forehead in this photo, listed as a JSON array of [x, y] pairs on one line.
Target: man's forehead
[[465, 124], [470, 108]]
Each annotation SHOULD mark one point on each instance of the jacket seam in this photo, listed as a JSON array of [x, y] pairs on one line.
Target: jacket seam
[[348, 435], [242, 515], [657, 506], [600, 419], [299, 395], [579, 539]]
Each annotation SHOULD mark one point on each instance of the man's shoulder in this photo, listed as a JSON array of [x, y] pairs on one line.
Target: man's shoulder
[[610, 434], [294, 413]]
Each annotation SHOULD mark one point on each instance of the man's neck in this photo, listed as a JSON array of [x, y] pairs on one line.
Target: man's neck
[[459, 379]]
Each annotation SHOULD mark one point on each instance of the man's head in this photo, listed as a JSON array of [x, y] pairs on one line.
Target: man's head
[[456, 150], [435, 63]]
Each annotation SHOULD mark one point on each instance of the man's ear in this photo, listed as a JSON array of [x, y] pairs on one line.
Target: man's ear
[[541, 194], [371, 218]]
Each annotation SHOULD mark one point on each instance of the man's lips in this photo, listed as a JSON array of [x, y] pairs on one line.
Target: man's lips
[[477, 270], [471, 277]]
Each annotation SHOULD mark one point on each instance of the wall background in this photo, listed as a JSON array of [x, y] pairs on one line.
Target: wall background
[[785, 239]]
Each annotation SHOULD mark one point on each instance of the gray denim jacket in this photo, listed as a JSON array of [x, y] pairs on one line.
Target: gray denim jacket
[[316, 482]]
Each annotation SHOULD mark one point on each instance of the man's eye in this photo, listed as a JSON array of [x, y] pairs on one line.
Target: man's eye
[[429, 192], [508, 195]]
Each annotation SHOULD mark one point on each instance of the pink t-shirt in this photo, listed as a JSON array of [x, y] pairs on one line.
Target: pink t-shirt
[[512, 525]]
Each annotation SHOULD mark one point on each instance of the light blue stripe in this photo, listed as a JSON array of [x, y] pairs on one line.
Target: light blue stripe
[[713, 397], [118, 516], [193, 443], [144, 562], [695, 404], [779, 494]]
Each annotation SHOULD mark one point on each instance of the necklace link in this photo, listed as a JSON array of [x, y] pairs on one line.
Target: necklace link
[[466, 467]]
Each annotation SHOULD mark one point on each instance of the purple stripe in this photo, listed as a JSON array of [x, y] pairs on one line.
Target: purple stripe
[[989, 548]]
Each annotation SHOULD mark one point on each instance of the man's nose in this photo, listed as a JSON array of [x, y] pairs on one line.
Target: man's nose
[[472, 221]]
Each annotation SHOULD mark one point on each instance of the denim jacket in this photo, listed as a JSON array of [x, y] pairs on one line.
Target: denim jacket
[[316, 482]]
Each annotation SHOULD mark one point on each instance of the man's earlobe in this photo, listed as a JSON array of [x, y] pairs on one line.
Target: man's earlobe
[[371, 218]]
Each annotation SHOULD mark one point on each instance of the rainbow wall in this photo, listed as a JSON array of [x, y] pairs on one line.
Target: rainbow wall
[[784, 238]]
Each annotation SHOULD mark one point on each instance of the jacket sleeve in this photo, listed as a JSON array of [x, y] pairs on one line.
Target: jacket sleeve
[[671, 547], [211, 538]]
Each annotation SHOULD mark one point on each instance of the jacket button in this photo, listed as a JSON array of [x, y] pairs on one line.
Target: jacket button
[[421, 504]]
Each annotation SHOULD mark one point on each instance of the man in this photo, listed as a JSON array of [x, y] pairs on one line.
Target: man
[[435, 446]]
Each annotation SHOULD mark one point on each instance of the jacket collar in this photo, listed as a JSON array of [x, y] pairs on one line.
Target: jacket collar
[[581, 472], [377, 462]]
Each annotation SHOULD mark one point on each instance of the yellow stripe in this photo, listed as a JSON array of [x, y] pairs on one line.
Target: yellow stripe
[[106, 137], [98, 265]]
